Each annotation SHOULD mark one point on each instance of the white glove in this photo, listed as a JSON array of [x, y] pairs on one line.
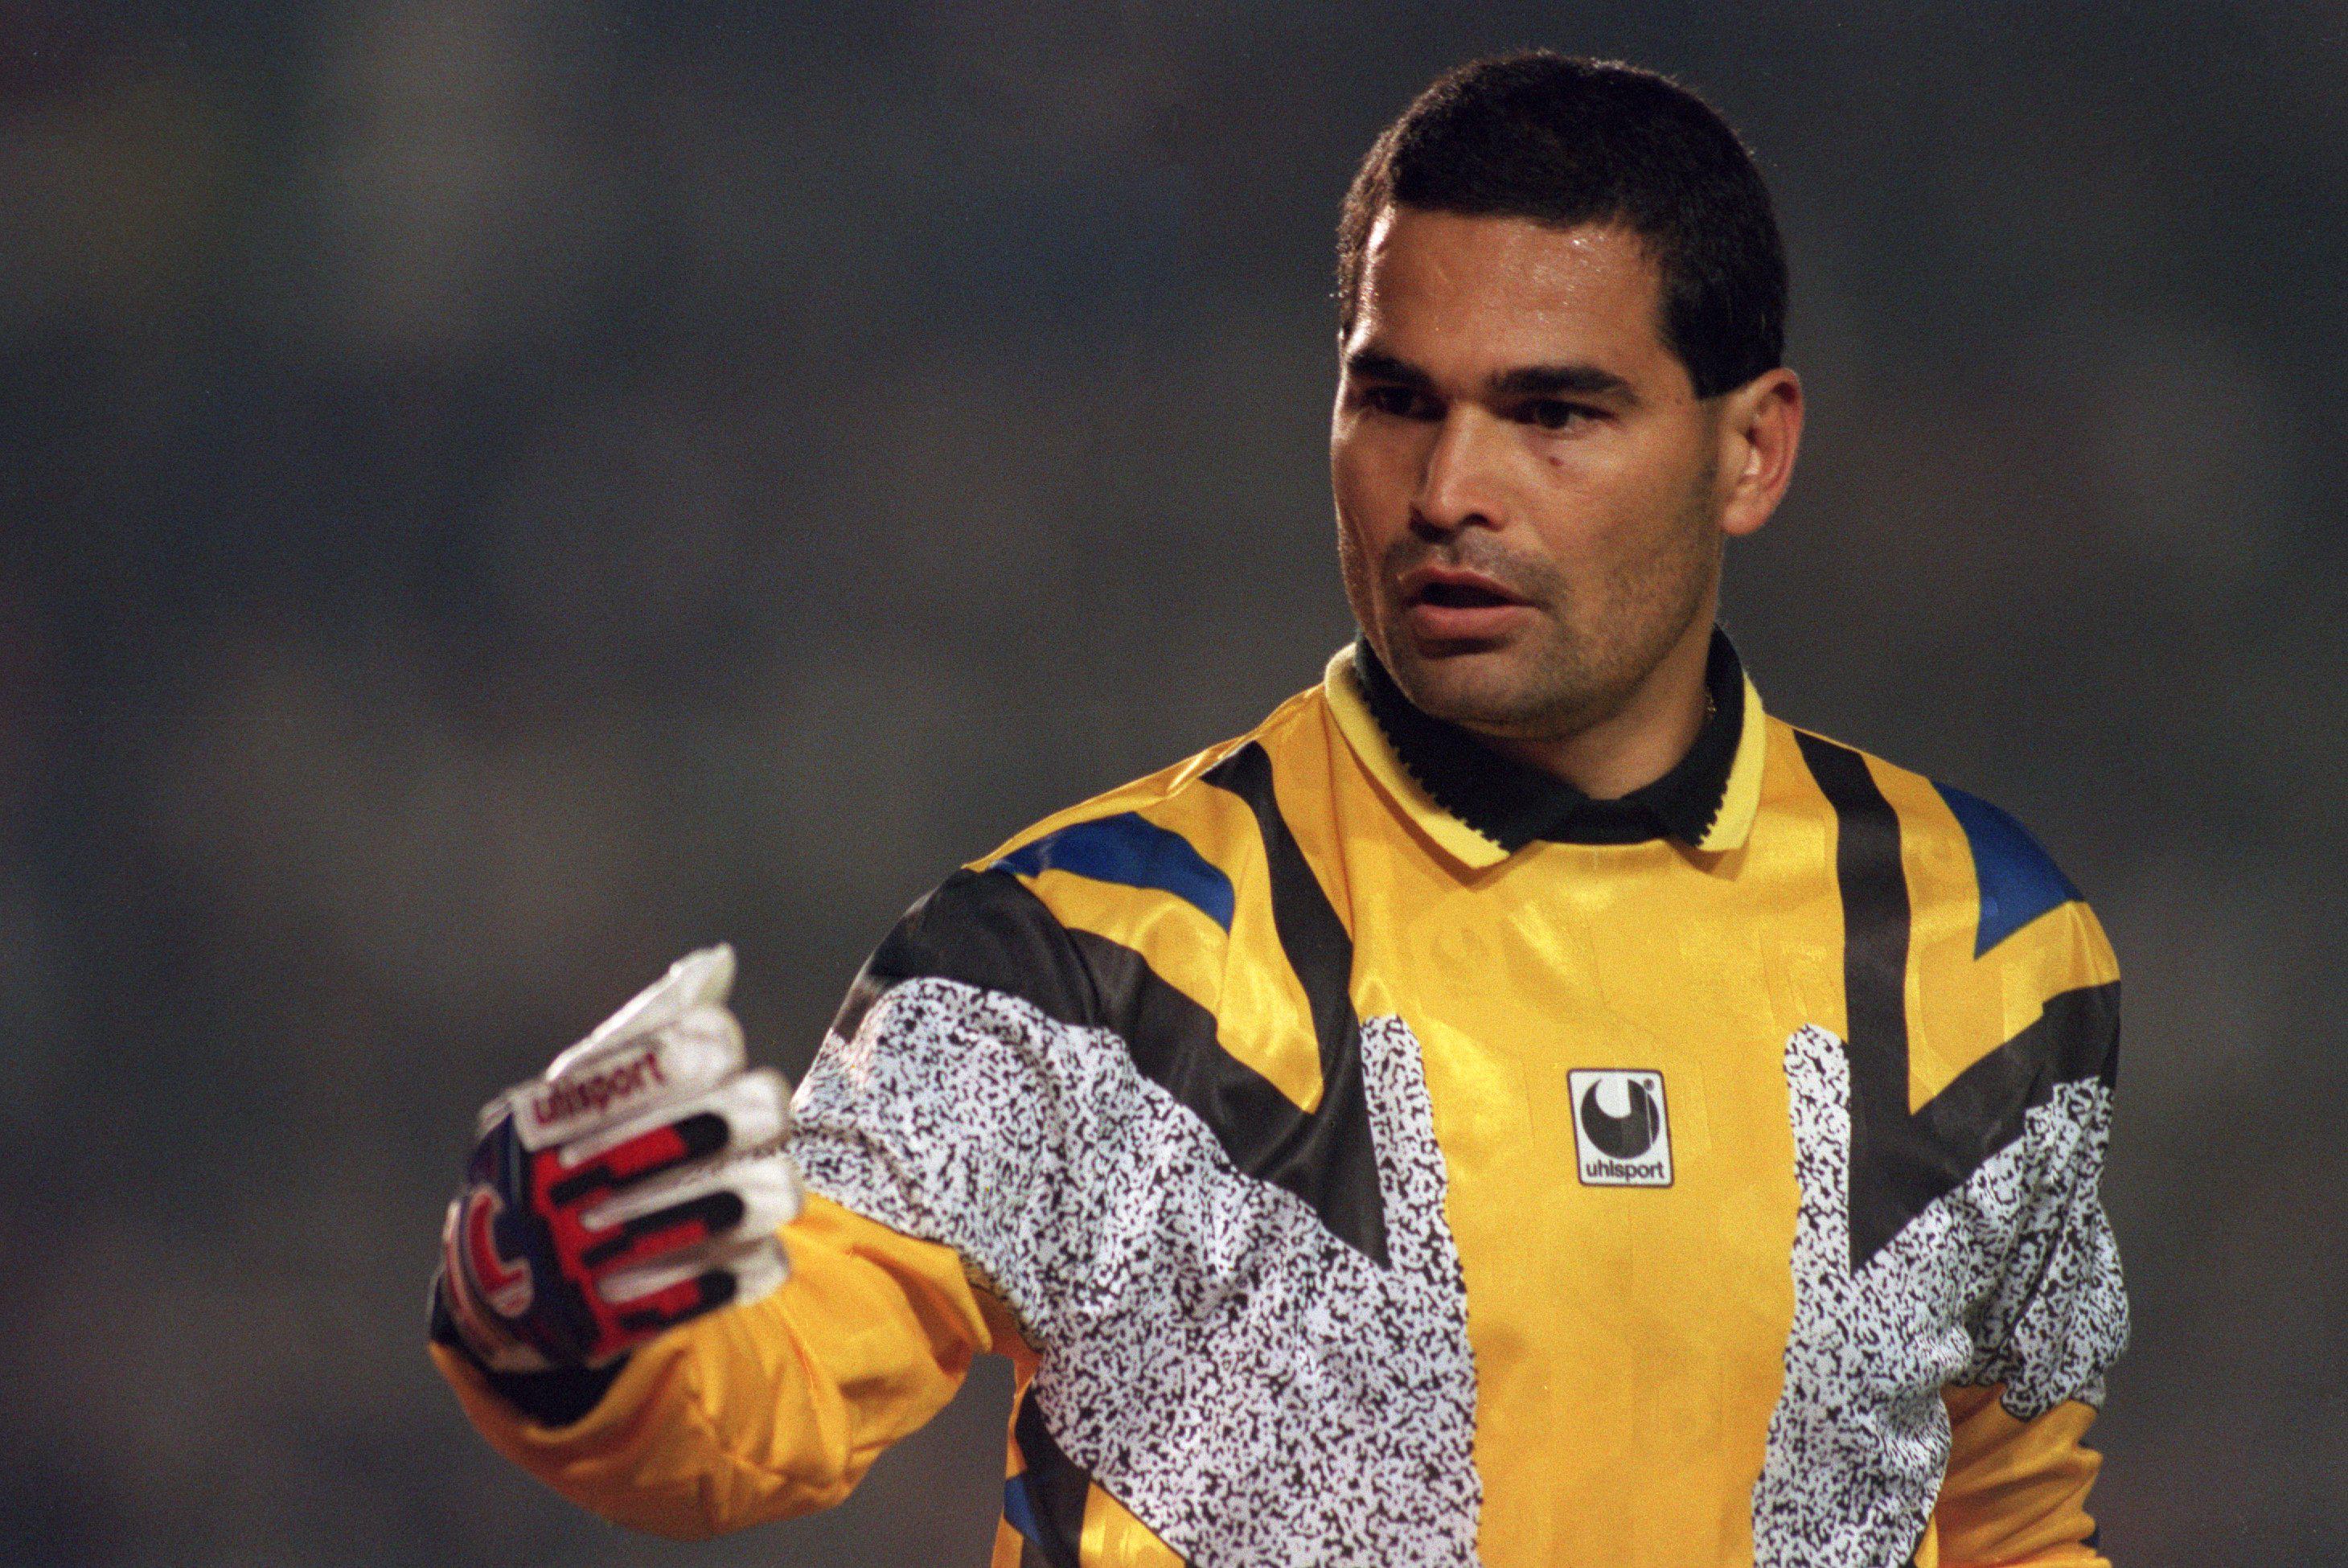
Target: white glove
[[637, 1183]]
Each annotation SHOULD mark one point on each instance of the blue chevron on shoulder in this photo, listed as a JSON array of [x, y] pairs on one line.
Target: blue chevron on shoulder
[[1018, 1508], [2019, 881], [1132, 852]]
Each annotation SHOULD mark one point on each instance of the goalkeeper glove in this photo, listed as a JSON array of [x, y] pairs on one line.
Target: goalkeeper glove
[[637, 1183]]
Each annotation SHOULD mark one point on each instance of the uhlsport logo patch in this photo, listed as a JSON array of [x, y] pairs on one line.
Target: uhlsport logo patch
[[1621, 1127]]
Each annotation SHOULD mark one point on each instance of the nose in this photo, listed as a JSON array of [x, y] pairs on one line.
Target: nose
[[1461, 485]]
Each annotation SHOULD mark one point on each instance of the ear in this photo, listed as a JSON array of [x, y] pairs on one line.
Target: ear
[[1760, 430]]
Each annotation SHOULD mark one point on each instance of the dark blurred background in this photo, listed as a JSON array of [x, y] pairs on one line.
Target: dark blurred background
[[498, 493]]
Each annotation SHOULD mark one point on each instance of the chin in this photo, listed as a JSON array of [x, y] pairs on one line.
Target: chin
[[1493, 688]]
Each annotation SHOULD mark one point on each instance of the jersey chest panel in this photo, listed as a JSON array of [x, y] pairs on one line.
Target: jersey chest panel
[[1628, 1339]]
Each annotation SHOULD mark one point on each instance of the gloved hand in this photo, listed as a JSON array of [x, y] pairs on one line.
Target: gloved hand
[[639, 1182]]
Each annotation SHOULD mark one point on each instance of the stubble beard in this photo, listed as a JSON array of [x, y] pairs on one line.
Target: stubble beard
[[1590, 646]]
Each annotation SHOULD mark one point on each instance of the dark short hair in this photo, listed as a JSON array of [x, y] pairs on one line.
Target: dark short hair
[[1566, 141]]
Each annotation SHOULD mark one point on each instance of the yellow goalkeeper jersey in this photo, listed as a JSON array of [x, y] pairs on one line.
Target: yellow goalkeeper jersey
[[1371, 1150]]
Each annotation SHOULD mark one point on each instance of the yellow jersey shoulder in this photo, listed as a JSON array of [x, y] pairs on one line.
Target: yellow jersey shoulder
[[1995, 929], [1171, 790], [1174, 870]]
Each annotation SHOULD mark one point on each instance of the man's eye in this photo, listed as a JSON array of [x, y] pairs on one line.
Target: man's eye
[[1401, 402], [1551, 414]]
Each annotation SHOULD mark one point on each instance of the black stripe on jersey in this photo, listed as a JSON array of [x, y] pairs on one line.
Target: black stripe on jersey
[[1319, 949], [1328, 1157], [1324, 1158], [1055, 1486], [987, 929], [1900, 1162], [983, 929]]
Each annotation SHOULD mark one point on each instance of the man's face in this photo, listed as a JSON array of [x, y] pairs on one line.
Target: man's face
[[1528, 506]]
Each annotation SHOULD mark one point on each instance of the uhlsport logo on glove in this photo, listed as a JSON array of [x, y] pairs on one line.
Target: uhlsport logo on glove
[[606, 1078], [560, 1104]]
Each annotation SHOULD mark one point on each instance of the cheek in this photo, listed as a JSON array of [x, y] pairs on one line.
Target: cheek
[[1366, 476], [1584, 513], [1615, 505]]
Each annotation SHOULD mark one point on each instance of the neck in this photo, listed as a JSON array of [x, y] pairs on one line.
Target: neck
[[1643, 737]]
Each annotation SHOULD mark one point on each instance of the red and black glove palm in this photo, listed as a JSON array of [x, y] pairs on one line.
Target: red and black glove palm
[[638, 1183]]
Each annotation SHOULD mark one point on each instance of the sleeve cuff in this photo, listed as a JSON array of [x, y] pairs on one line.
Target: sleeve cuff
[[556, 1398]]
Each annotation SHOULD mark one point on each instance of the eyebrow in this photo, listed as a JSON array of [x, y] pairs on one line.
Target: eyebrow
[[1369, 364], [1572, 380], [1525, 381]]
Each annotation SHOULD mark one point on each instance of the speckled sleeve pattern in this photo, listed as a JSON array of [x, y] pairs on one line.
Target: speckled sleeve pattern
[[1254, 1388], [2056, 1318], [2011, 1276]]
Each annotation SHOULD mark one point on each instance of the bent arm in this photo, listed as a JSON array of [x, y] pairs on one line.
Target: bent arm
[[759, 1412]]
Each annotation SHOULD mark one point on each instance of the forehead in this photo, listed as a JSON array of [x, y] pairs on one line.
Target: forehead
[[1468, 295]]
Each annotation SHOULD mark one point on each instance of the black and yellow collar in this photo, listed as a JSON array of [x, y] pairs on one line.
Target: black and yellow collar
[[1483, 806]]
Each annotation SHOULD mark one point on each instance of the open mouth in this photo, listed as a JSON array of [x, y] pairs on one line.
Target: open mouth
[[1459, 596], [1457, 589]]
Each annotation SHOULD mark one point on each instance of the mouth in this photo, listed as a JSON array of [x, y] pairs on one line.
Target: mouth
[[1459, 593], [1447, 605]]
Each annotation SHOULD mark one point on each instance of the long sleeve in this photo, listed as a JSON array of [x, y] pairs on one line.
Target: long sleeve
[[2018, 1473], [764, 1411], [777, 1408]]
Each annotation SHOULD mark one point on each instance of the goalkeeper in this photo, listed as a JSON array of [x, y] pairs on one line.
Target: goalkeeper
[[1522, 1103]]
